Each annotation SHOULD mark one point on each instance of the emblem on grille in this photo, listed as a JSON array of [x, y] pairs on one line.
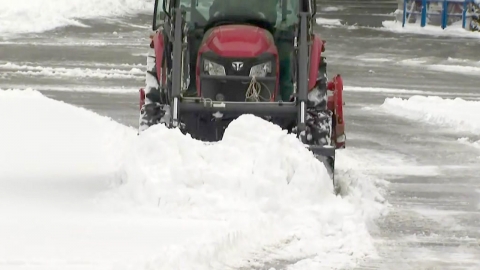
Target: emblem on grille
[[237, 66]]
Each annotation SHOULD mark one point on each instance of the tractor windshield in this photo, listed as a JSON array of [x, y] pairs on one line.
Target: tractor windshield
[[200, 13]]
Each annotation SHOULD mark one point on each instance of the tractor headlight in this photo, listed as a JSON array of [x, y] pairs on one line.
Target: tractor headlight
[[261, 70], [212, 68]]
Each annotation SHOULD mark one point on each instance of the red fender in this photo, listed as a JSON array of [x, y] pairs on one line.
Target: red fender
[[158, 45], [339, 131], [142, 97], [315, 58]]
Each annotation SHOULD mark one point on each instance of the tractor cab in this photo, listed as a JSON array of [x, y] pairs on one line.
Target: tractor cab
[[238, 40]]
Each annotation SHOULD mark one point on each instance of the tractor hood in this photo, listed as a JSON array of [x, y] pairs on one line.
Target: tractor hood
[[239, 41]]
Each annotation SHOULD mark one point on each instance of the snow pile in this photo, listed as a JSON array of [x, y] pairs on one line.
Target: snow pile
[[42, 15], [325, 21], [55, 159], [258, 195], [452, 30], [82, 145], [454, 113], [276, 197], [359, 185]]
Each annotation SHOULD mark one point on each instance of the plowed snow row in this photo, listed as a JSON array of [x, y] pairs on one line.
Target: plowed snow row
[[257, 195]]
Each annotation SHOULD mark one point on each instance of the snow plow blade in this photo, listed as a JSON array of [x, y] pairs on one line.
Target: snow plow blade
[[255, 108], [318, 150], [261, 109]]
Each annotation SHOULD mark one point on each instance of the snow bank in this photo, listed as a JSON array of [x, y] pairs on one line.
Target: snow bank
[[42, 15], [55, 159], [453, 30], [37, 137], [277, 198], [454, 113]]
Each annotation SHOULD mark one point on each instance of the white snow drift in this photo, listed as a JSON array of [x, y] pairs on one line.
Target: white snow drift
[[458, 114], [55, 159], [40, 135], [258, 194], [455, 113], [270, 189], [42, 15]]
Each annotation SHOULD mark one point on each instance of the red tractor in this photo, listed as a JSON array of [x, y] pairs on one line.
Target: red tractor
[[214, 60]]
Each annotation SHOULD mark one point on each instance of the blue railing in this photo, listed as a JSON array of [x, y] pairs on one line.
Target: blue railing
[[445, 14]]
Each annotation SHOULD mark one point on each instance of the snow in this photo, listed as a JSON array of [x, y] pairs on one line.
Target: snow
[[17, 17], [450, 31], [11, 69], [75, 88], [478, 194], [459, 60], [361, 89], [55, 159], [453, 113], [80, 190], [332, 9], [325, 21], [468, 67], [468, 70], [468, 141], [275, 194]]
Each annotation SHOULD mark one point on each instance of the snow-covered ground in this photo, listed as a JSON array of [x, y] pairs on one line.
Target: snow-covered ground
[[325, 21], [454, 113], [80, 190], [17, 17], [432, 30]]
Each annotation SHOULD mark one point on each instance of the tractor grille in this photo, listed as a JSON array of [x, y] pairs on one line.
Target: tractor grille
[[230, 63], [233, 86]]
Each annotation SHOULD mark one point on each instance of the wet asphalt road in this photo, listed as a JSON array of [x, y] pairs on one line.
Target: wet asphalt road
[[434, 222]]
